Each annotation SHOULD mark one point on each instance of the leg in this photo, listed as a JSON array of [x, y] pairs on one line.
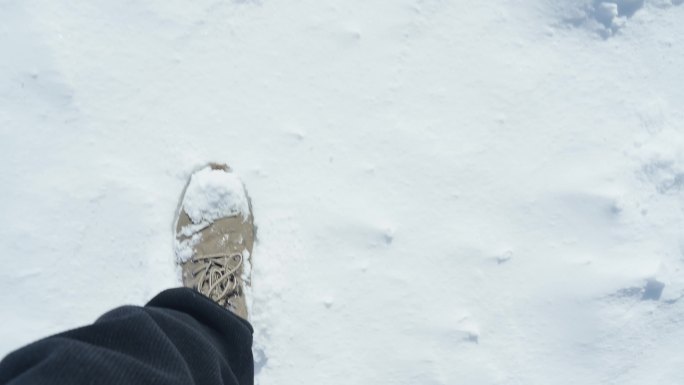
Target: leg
[[180, 337]]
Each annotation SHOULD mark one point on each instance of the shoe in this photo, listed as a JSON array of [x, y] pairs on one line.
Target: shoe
[[215, 236]]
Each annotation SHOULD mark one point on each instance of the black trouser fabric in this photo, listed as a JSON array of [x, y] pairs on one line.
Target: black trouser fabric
[[180, 337]]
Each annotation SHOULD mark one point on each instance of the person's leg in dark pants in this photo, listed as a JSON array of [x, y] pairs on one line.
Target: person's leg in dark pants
[[180, 337], [194, 335]]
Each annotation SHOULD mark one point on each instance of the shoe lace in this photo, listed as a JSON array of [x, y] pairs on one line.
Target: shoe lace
[[217, 277]]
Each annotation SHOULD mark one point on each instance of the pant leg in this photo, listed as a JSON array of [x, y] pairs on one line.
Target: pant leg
[[179, 337]]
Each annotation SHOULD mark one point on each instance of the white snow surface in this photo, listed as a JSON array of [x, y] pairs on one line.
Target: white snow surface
[[213, 194], [185, 247], [446, 192]]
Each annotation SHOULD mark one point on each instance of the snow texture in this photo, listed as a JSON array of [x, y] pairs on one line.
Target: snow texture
[[446, 192], [185, 247], [214, 194], [607, 17]]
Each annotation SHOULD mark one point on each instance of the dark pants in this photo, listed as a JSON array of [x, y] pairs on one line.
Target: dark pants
[[180, 337]]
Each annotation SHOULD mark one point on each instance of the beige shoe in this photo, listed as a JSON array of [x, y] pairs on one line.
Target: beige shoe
[[215, 237]]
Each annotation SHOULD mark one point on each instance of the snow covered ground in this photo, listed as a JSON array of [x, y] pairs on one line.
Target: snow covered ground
[[446, 192]]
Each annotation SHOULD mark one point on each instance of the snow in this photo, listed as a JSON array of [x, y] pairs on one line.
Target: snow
[[445, 192], [214, 194], [185, 247]]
